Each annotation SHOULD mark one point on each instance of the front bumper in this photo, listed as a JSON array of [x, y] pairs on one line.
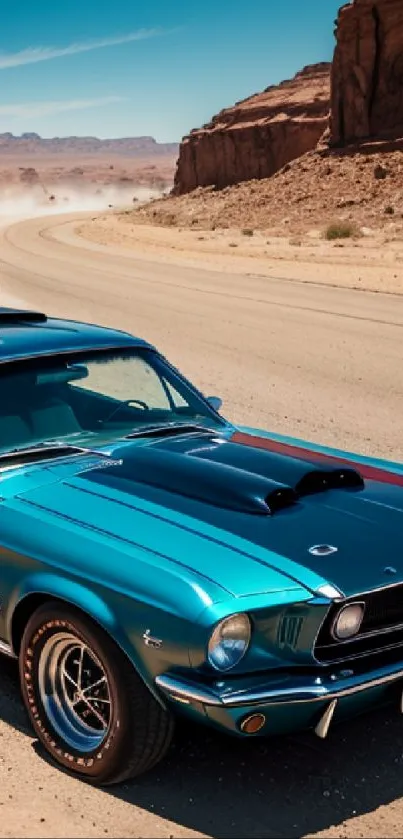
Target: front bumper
[[288, 701]]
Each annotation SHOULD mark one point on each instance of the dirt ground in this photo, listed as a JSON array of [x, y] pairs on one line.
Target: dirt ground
[[290, 345], [373, 262]]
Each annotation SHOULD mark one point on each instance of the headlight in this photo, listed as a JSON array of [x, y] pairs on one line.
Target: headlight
[[348, 621], [229, 642]]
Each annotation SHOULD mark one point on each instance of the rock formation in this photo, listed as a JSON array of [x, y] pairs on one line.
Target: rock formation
[[367, 72], [259, 135]]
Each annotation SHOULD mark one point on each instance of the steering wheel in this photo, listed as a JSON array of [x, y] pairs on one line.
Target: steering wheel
[[125, 404]]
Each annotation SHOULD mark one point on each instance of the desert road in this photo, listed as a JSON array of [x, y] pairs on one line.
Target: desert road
[[306, 360]]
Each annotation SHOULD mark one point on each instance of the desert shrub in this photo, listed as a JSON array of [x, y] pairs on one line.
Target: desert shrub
[[380, 172], [167, 219], [247, 232], [340, 230]]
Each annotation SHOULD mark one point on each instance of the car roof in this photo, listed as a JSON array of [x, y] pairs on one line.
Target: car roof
[[30, 334]]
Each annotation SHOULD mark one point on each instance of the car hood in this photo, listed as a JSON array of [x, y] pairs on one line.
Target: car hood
[[241, 510]]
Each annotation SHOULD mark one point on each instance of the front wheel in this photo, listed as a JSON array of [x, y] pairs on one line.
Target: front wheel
[[89, 708]]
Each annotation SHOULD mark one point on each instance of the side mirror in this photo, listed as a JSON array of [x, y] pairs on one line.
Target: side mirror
[[215, 402]]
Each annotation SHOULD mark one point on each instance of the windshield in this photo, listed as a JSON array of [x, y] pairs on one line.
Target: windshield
[[95, 398]]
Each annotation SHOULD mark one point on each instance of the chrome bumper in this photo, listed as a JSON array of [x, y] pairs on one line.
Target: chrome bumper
[[288, 689]]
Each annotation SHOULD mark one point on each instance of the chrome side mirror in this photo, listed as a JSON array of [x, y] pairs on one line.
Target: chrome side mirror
[[215, 402]]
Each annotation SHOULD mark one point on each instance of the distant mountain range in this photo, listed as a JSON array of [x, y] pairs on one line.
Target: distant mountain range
[[32, 144]]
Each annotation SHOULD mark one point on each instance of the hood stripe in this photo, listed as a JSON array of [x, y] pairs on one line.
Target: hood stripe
[[371, 473]]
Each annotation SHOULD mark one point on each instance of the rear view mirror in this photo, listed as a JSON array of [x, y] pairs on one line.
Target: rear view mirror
[[70, 373]]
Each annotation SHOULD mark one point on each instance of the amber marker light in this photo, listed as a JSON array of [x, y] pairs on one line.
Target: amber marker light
[[253, 724]]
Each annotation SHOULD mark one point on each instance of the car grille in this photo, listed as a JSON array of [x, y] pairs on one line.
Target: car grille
[[381, 628]]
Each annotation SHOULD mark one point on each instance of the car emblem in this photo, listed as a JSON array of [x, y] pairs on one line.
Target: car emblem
[[390, 570], [322, 550], [151, 641]]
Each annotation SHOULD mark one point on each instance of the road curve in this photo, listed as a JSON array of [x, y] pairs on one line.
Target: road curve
[[313, 361], [307, 360]]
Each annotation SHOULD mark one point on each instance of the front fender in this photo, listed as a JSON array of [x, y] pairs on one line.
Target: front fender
[[90, 603]]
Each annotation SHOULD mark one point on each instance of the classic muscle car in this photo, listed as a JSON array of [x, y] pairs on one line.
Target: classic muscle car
[[156, 560]]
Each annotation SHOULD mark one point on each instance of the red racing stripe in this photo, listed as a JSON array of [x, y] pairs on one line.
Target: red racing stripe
[[372, 473]]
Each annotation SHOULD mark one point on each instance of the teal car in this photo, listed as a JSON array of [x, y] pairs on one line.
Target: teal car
[[157, 561]]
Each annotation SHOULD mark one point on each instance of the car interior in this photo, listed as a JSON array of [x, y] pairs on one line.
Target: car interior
[[48, 405]]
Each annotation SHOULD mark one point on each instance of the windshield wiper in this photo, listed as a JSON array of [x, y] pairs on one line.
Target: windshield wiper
[[168, 430]]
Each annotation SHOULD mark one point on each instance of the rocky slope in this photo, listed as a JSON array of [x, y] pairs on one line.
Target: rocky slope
[[363, 188], [32, 144], [256, 137], [367, 72]]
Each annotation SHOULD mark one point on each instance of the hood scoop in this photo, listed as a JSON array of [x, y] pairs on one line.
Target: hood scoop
[[222, 485], [320, 480], [212, 483]]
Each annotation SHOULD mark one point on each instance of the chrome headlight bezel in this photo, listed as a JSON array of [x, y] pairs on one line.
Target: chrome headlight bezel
[[348, 607], [238, 646]]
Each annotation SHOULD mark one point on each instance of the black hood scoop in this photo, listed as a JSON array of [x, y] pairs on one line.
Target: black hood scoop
[[224, 475], [320, 480], [212, 483]]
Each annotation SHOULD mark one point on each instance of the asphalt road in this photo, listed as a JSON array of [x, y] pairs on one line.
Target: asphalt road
[[316, 362]]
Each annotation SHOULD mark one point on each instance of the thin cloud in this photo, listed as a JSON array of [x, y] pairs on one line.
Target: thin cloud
[[32, 55], [29, 110]]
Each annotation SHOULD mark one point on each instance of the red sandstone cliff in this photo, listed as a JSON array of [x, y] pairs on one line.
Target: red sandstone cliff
[[367, 72], [259, 135]]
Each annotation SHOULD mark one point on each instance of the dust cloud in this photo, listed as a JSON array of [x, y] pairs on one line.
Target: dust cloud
[[19, 202]]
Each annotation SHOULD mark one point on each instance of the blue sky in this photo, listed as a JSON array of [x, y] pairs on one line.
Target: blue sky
[[131, 67]]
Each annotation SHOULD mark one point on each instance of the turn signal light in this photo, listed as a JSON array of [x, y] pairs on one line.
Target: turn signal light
[[253, 724]]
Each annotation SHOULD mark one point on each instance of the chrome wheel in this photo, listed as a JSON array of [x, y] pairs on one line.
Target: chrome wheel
[[74, 691]]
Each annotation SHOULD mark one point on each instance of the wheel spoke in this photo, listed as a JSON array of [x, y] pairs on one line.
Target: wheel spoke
[[97, 699], [80, 668], [100, 681], [69, 678], [96, 713]]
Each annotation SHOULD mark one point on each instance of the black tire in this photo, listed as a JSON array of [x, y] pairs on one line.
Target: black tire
[[139, 731]]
